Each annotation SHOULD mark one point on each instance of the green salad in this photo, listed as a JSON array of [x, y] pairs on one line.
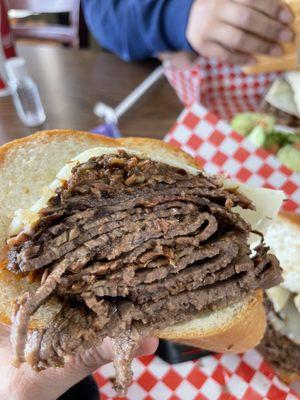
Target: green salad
[[261, 129]]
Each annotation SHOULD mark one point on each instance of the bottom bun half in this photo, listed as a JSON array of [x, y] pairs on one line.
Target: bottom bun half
[[233, 329]]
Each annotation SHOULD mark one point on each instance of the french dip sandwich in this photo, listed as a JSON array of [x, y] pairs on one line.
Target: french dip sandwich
[[127, 238], [281, 343]]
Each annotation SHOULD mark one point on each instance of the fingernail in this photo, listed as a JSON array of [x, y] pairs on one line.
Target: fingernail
[[286, 35], [286, 16], [276, 51]]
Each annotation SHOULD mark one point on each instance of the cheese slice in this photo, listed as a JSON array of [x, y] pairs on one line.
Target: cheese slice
[[281, 96], [279, 297], [293, 78]]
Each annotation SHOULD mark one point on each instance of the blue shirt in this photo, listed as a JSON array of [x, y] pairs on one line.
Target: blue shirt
[[137, 29]]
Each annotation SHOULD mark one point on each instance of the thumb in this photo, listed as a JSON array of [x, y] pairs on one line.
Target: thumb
[[77, 368]]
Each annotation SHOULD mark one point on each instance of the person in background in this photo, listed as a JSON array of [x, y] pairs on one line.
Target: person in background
[[228, 30]]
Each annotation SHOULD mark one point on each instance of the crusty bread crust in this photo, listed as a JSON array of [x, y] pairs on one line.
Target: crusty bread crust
[[227, 333], [243, 329], [61, 135]]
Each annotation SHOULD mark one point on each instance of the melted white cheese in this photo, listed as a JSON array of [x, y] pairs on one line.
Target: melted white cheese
[[279, 297]]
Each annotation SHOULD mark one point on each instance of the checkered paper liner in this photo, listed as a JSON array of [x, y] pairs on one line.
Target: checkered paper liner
[[215, 377], [223, 89], [218, 148]]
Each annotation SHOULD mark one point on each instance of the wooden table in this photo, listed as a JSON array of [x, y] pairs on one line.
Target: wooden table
[[72, 81]]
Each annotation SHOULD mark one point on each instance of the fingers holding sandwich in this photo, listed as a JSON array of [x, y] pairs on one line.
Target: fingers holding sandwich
[[25, 384], [91, 359], [87, 362]]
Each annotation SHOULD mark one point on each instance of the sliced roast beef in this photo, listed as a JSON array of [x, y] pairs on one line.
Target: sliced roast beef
[[130, 246]]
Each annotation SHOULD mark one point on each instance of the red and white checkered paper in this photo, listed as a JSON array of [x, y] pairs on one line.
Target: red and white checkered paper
[[218, 148], [215, 377], [223, 89]]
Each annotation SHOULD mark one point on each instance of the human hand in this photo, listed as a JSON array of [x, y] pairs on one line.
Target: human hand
[[25, 384], [233, 30]]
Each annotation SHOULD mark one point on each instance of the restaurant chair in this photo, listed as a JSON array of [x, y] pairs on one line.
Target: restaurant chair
[[68, 35]]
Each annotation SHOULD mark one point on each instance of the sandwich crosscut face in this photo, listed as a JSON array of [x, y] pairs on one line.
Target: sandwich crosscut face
[[129, 246]]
